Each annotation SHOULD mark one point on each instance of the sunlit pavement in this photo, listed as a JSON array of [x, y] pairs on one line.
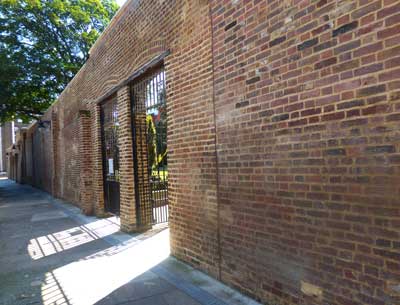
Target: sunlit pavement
[[51, 254]]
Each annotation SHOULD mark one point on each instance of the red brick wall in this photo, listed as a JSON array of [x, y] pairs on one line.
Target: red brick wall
[[141, 31], [308, 118], [86, 198], [297, 102], [191, 143]]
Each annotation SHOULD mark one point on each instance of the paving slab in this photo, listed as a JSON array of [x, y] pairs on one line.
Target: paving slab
[[52, 254], [48, 216]]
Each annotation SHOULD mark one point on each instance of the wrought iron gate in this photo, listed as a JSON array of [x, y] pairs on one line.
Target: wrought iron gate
[[149, 122], [109, 136]]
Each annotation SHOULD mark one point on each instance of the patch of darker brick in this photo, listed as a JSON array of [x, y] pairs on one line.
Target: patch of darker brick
[[351, 104], [308, 43], [380, 149], [389, 254], [336, 152], [85, 113], [321, 29], [371, 90], [266, 113], [277, 41], [314, 161], [325, 63], [324, 45], [394, 159], [345, 28], [230, 38], [280, 117], [285, 194], [230, 25], [242, 104], [299, 154], [275, 72], [322, 3], [393, 117], [252, 80], [333, 142], [383, 242]]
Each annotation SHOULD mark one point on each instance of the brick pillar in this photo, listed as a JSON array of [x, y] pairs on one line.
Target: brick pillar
[[127, 185], [86, 164], [55, 133], [97, 161], [142, 166]]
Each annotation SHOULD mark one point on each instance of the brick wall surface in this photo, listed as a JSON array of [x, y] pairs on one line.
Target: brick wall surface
[[5, 142], [85, 188], [308, 116], [141, 31], [127, 189], [42, 155], [283, 140]]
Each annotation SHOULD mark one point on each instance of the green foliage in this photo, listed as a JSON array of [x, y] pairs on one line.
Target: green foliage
[[43, 44], [161, 127], [151, 141]]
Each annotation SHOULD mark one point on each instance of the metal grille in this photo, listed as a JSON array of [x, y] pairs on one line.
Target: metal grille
[[149, 115], [110, 126]]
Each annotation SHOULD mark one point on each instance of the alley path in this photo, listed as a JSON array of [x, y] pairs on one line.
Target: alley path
[[51, 254]]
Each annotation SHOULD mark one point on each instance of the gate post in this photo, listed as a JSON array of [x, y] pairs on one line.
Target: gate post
[[142, 179], [85, 166], [97, 160], [128, 211]]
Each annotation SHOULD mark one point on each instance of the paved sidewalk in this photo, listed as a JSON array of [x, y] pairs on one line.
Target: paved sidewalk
[[51, 254]]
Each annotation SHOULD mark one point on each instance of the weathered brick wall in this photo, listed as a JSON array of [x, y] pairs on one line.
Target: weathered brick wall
[[42, 158], [141, 31], [298, 104], [308, 120], [69, 158], [192, 180], [85, 163], [28, 170], [5, 142]]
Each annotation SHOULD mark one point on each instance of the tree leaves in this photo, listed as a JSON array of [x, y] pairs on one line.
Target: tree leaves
[[43, 44]]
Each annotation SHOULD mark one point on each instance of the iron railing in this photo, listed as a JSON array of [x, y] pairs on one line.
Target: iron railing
[[149, 125]]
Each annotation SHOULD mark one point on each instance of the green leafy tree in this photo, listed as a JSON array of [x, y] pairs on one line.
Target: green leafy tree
[[43, 44]]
